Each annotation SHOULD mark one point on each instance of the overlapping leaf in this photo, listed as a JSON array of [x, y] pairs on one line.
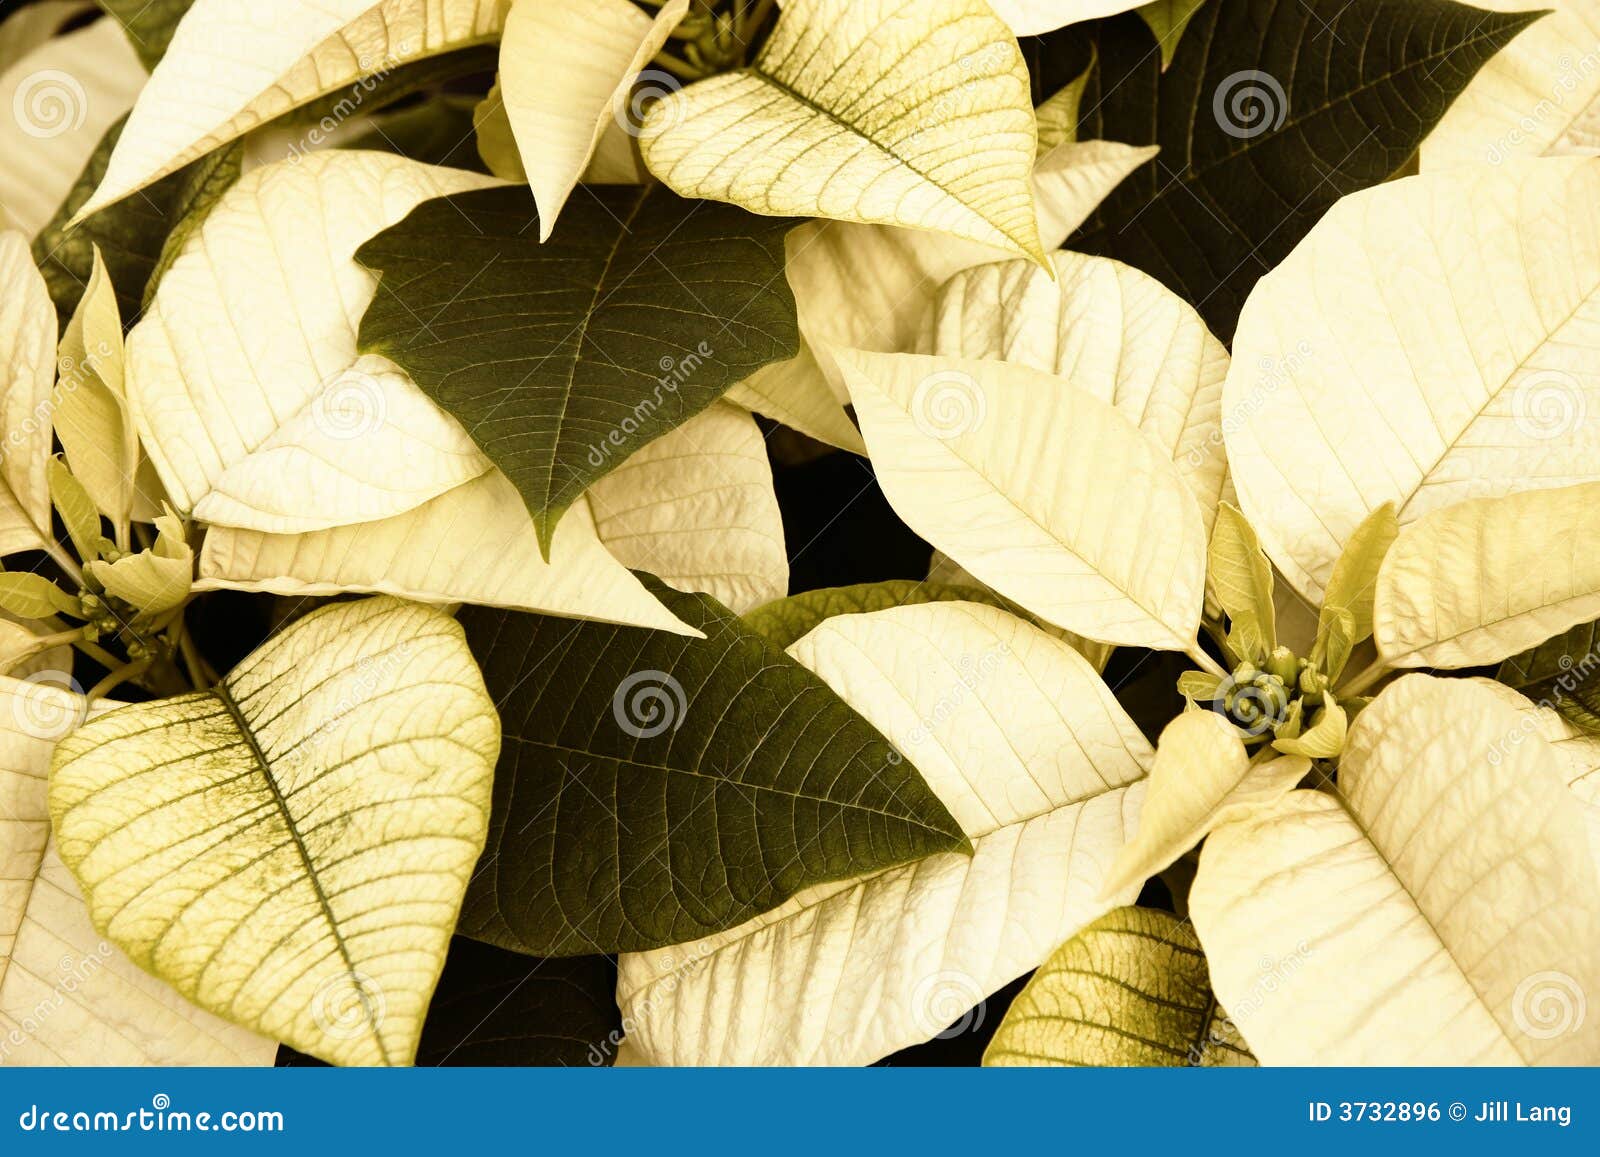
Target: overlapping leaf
[[1041, 767], [1000, 467], [654, 789], [1483, 580], [1270, 112], [891, 112], [67, 997], [563, 357], [1452, 874], [1130, 989], [298, 863], [1432, 340], [1107, 329], [254, 62]]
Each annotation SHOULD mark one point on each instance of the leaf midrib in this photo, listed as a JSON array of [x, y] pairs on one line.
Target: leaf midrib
[[806, 102], [669, 769], [225, 696]]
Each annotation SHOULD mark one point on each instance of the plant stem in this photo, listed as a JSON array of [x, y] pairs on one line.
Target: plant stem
[[98, 653], [45, 642], [679, 68], [121, 675], [64, 560], [758, 17], [1205, 662], [1365, 679], [200, 672]]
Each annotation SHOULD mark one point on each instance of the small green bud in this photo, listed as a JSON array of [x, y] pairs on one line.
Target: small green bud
[[1283, 664]]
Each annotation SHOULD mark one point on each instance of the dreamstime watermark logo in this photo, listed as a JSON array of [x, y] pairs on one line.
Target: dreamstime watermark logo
[[73, 372], [652, 85], [675, 371], [1254, 708], [356, 687], [1571, 75], [351, 405], [373, 74], [636, 1014], [1271, 975], [975, 68], [48, 704], [1275, 373], [49, 103], [1574, 674], [971, 673], [72, 973], [1548, 404], [1249, 103], [1548, 1004], [348, 1005], [947, 1004], [647, 703], [948, 404]]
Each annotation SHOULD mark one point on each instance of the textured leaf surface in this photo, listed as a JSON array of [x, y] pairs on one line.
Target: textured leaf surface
[[871, 286], [27, 380], [1242, 578], [1130, 989], [67, 997], [149, 24], [1480, 581], [1167, 19], [235, 64], [696, 508], [1270, 112], [1034, 757], [1110, 330], [244, 377], [1202, 775], [1561, 672], [785, 621], [132, 238], [289, 849], [472, 544], [891, 112], [494, 1007], [567, 67], [654, 788], [1031, 17], [1432, 340], [1443, 910], [960, 446], [58, 101], [640, 311], [1538, 96]]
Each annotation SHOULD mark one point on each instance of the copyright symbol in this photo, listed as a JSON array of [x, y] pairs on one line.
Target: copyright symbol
[[1458, 1111]]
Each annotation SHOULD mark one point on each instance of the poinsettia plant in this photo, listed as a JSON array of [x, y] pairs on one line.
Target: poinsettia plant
[[735, 532]]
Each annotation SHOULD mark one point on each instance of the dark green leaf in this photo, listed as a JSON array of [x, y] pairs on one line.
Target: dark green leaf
[[494, 1007], [653, 789], [1563, 673], [148, 23], [499, 1008], [1270, 112], [131, 233], [783, 621], [436, 131], [378, 90], [563, 358]]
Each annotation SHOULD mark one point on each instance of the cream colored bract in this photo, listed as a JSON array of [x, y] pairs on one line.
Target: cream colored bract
[[298, 863]]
